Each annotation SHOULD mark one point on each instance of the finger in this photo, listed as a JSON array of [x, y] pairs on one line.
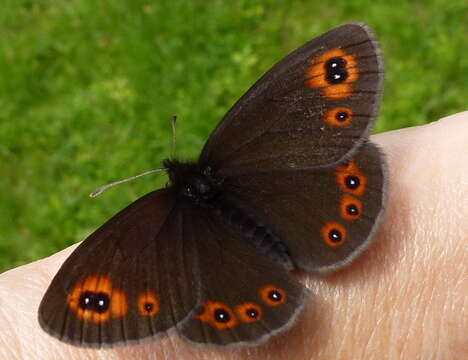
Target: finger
[[406, 297]]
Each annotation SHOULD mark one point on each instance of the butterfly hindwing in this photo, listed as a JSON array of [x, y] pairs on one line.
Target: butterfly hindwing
[[311, 109], [325, 216], [246, 296], [138, 266]]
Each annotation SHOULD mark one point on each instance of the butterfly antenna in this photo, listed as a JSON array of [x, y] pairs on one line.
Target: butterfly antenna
[[103, 188], [173, 123]]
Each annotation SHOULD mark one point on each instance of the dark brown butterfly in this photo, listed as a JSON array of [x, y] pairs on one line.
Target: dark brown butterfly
[[287, 180]]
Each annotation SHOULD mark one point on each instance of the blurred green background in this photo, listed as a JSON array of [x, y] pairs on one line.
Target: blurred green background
[[87, 89]]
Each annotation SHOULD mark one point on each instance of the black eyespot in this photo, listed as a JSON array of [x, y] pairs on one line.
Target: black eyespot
[[148, 307], [98, 302], [274, 295], [336, 70], [342, 116], [334, 235], [222, 316], [352, 182], [86, 299], [252, 313], [352, 209]]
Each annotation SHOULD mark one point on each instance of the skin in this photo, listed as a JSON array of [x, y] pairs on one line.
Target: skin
[[404, 298]]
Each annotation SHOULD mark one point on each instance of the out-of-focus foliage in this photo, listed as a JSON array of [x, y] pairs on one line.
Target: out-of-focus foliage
[[87, 89]]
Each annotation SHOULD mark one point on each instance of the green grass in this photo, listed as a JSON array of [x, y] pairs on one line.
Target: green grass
[[87, 89]]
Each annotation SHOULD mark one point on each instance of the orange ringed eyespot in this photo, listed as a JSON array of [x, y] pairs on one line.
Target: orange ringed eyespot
[[340, 116], [272, 295], [350, 207], [95, 300], [350, 179], [333, 71], [249, 312], [333, 234], [148, 303], [218, 315]]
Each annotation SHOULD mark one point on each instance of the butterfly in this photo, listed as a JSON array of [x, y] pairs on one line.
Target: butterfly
[[287, 180]]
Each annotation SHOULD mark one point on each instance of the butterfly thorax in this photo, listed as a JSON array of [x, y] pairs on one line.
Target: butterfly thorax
[[201, 186], [198, 184]]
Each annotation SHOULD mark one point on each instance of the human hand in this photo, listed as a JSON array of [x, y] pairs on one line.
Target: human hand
[[404, 298]]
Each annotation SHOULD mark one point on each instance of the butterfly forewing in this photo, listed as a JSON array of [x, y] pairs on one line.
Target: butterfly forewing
[[298, 115], [132, 279]]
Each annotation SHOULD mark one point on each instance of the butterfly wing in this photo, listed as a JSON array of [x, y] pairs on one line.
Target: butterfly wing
[[132, 279], [325, 216], [246, 296], [280, 149], [311, 109]]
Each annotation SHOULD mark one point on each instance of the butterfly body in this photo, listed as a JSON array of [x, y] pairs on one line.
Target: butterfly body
[[192, 181], [202, 187], [288, 179]]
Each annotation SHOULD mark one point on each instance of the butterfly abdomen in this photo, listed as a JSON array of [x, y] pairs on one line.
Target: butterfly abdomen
[[258, 235]]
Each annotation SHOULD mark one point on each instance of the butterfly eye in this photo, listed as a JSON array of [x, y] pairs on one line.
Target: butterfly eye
[[272, 296], [208, 171], [204, 188], [198, 187], [249, 312], [218, 315]]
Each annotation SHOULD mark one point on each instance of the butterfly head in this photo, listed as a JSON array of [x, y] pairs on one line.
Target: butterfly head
[[192, 181]]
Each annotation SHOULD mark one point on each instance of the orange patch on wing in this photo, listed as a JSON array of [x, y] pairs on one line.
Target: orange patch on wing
[[338, 91], [350, 179], [148, 303], [333, 234], [218, 315], [95, 284], [272, 295], [119, 305], [249, 312], [340, 116], [350, 207], [316, 74]]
